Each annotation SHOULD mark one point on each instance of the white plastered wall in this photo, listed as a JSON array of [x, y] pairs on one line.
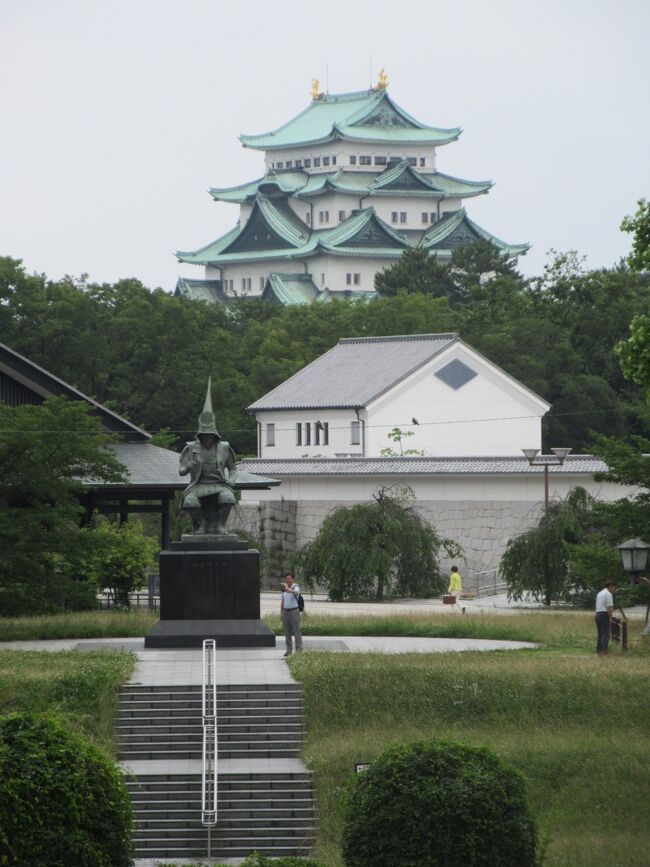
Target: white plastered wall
[[286, 445], [488, 416]]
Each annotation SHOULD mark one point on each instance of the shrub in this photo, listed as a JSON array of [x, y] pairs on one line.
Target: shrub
[[61, 800], [436, 803]]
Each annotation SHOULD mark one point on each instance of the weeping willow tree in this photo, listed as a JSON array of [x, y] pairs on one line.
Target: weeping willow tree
[[537, 561], [371, 549]]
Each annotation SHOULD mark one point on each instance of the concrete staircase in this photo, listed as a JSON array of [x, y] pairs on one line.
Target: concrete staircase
[[264, 803]]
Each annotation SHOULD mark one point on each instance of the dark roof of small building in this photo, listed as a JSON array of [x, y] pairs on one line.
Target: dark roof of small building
[[147, 466], [46, 384], [418, 466]]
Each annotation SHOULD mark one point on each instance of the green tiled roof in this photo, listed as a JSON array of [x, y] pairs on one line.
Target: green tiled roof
[[401, 179], [199, 290], [458, 229], [365, 116], [362, 235], [207, 254], [290, 288]]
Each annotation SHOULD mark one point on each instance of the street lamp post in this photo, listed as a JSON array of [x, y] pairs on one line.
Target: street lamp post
[[536, 459]]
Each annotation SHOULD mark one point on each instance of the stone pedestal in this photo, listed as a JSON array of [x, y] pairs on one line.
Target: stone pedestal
[[210, 589]]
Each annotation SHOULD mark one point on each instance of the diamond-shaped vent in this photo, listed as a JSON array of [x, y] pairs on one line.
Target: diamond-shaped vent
[[456, 374]]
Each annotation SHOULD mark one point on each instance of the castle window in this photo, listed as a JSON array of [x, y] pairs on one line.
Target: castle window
[[316, 162], [323, 216], [365, 161], [422, 161], [333, 161], [357, 279], [402, 216], [289, 164], [380, 161], [341, 216], [308, 218], [353, 160], [307, 163], [425, 217], [307, 433], [394, 216], [270, 434], [262, 284], [433, 217], [326, 161], [412, 161], [279, 165], [298, 164], [348, 279], [322, 279]]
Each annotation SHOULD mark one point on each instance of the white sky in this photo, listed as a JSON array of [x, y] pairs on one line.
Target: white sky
[[117, 115]]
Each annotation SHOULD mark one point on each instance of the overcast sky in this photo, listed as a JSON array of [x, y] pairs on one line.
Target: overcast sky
[[117, 115]]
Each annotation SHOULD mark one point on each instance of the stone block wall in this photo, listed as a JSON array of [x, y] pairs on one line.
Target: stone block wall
[[481, 528]]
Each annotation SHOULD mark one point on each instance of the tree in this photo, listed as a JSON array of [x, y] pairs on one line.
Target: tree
[[375, 548], [417, 271], [639, 227], [438, 804], [62, 801], [396, 435], [119, 558], [44, 453], [537, 561]]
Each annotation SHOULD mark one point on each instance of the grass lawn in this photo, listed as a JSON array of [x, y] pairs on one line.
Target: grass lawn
[[576, 726], [80, 687]]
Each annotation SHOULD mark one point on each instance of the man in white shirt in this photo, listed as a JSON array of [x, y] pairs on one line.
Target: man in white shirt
[[290, 613], [604, 616]]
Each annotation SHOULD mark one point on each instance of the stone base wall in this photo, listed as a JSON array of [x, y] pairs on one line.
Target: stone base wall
[[482, 528]]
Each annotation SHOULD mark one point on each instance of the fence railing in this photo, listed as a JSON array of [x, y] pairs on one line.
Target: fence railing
[[486, 583], [209, 770]]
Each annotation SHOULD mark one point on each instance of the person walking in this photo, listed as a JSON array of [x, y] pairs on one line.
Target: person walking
[[456, 587], [604, 616], [290, 614]]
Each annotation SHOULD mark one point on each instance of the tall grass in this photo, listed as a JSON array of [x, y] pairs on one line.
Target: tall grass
[[82, 687], [82, 624], [577, 727]]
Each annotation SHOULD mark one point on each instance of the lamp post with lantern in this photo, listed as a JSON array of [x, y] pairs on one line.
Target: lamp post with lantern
[[536, 459]]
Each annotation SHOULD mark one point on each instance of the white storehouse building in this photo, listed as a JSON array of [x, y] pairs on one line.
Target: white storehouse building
[[348, 185], [322, 433]]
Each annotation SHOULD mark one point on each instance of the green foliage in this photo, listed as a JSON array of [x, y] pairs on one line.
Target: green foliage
[[639, 227], [148, 354], [119, 558], [44, 451], [61, 800], [438, 803], [537, 561], [80, 686], [396, 435], [374, 548]]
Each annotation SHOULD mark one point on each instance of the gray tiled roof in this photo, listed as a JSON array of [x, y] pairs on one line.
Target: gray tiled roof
[[398, 466], [354, 372], [147, 466]]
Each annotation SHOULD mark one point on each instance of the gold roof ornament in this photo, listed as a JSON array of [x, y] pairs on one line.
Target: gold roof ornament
[[382, 80], [315, 89]]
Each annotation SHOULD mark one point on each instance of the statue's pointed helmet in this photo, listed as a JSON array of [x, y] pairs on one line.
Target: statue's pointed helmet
[[207, 423]]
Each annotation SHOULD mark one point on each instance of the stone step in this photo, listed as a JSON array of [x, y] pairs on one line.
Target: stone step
[[188, 727], [296, 825], [246, 752], [220, 832], [230, 781], [273, 847], [221, 688], [227, 808]]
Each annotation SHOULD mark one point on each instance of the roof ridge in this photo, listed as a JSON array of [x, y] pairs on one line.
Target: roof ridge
[[396, 337]]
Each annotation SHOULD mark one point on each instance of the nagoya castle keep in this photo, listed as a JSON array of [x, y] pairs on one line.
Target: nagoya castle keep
[[348, 185]]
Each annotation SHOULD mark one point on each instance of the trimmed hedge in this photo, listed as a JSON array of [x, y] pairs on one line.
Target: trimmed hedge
[[438, 804], [62, 802]]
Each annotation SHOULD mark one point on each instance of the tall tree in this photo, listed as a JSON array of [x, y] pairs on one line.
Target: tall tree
[[371, 549], [44, 453], [639, 227]]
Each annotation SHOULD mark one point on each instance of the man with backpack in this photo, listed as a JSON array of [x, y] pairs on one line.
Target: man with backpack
[[290, 613]]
